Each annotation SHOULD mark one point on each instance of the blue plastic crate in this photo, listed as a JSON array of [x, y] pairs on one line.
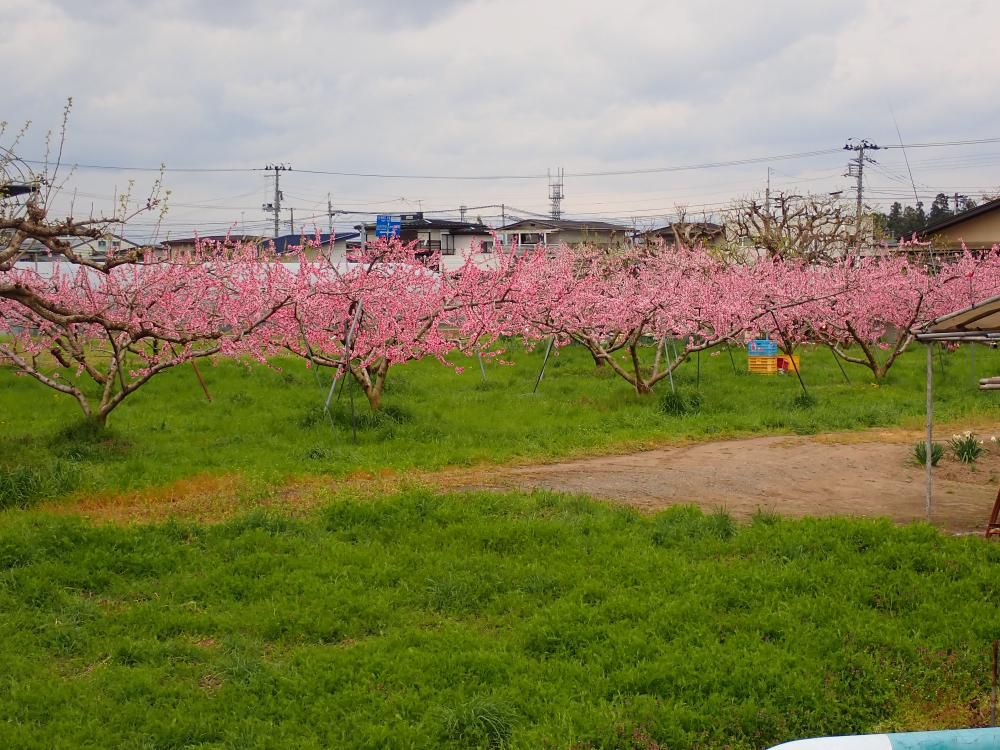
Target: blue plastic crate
[[762, 348]]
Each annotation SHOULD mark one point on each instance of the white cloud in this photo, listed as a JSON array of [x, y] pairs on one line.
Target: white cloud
[[499, 86]]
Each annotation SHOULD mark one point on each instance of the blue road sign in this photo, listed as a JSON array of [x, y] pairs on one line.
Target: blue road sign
[[387, 225]]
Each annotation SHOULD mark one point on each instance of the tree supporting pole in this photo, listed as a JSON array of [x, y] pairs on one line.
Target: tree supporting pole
[[201, 380], [545, 361], [791, 356], [354, 417], [482, 367], [670, 370], [840, 365], [347, 356], [929, 437], [698, 377], [732, 361]]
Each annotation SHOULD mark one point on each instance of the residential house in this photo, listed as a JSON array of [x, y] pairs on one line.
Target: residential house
[[528, 233], [685, 233], [287, 246], [451, 237], [978, 228], [187, 244], [95, 249]]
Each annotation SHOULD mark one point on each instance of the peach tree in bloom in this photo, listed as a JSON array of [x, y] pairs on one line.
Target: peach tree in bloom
[[887, 298], [98, 335], [622, 305], [390, 306]]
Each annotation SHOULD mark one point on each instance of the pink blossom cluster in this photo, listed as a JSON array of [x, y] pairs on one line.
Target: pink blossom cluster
[[389, 305]]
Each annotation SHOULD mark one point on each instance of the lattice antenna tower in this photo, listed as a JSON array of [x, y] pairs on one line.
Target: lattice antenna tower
[[556, 193]]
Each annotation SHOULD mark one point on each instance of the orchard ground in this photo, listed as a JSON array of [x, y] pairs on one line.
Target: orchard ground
[[265, 428], [332, 603]]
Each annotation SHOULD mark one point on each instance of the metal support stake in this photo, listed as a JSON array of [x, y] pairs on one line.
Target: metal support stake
[[545, 360], [354, 417], [347, 356], [482, 367], [840, 365]]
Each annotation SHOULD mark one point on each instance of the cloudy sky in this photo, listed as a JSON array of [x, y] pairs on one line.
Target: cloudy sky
[[499, 88]]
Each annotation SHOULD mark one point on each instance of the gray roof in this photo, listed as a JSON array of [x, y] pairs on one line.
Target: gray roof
[[419, 221], [557, 224]]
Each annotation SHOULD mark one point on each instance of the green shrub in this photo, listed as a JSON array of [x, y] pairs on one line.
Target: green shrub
[[920, 453], [804, 401], [23, 486], [966, 447], [679, 404], [479, 722]]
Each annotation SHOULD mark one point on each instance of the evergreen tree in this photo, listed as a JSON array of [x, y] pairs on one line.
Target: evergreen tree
[[894, 221], [940, 209]]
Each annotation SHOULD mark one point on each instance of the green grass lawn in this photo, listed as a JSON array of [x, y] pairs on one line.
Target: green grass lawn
[[266, 424], [472, 621], [486, 621]]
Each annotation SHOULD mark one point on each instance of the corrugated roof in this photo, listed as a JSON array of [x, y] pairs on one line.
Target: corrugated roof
[[980, 322]]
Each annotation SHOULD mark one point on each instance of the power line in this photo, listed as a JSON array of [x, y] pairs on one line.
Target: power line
[[486, 177], [531, 176]]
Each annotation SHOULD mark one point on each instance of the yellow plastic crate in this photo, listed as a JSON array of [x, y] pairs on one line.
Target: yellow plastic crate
[[762, 365]]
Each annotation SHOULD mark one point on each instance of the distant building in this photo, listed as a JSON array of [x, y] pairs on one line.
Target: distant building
[[686, 233], [86, 248], [451, 237], [528, 233], [287, 246], [187, 244], [978, 228]]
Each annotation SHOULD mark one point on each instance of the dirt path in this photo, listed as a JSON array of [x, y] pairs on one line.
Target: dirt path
[[852, 474]]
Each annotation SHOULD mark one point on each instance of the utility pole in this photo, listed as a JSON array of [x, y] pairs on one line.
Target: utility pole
[[461, 212], [767, 193], [556, 193], [275, 207], [957, 197], [856, 169], [329, 216], [291, 220]]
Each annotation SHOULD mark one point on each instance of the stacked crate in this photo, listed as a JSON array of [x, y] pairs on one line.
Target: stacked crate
[[762, 357]]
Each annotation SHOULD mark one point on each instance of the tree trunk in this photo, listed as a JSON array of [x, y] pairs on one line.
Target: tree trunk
[[374, 396]]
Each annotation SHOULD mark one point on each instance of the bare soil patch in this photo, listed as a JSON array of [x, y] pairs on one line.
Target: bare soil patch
[[869, 474]]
